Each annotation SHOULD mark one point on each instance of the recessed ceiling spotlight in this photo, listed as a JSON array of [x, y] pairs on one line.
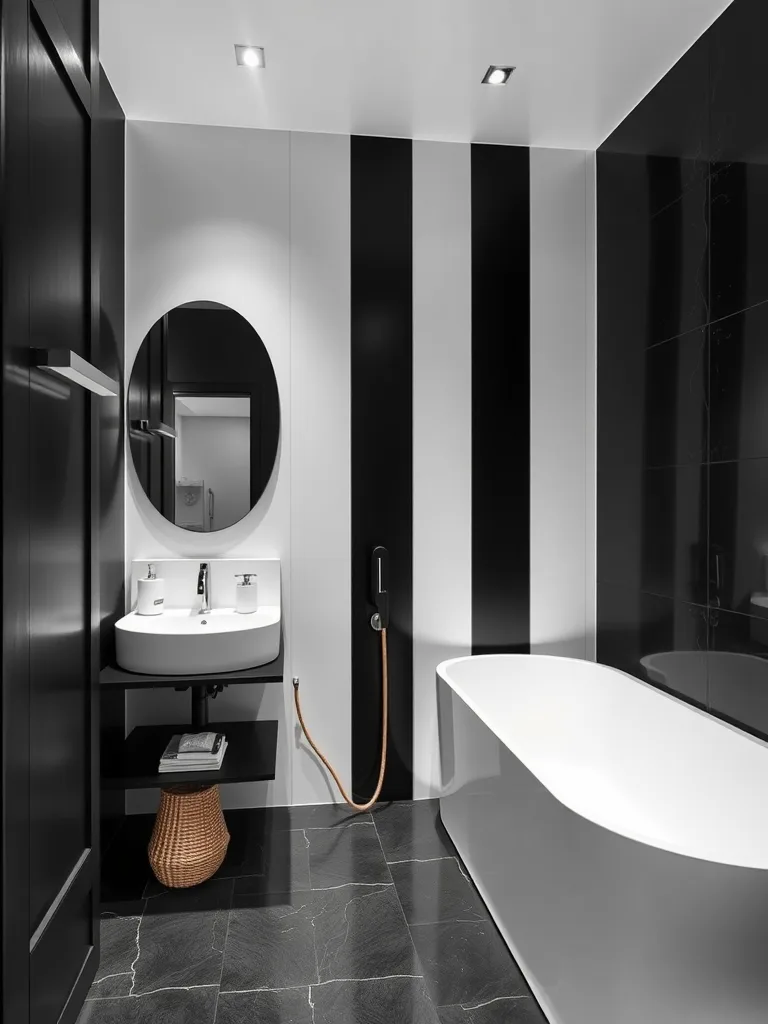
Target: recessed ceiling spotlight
[[497, 74], [250, 56]]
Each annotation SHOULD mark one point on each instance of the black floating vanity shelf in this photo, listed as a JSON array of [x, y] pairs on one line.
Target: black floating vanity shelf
[[252, 746], [251, 756]]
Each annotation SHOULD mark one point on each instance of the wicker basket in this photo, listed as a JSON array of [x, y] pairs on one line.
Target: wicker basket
[[190, 837]]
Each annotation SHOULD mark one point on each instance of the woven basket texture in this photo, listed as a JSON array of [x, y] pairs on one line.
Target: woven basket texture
[[190, 837]]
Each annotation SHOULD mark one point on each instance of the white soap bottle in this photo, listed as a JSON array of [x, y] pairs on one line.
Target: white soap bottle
[[151, 593], [246, 594]]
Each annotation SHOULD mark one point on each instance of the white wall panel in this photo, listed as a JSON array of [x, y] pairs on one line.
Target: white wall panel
[[320, 457], [562, 405], [442, 434], [207, 217]]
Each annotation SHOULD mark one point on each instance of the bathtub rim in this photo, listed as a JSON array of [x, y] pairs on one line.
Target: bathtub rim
[[442, 675]]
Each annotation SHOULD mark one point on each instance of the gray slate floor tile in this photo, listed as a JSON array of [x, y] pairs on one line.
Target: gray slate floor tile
[[284, 1006], [360, 932], [388, 1001], [516, 1010], [351, 854], [270, 942], [410, 830], [118, 951], [181, 937], [193, 1006], [277, 863], [437, 890], [466, 962]]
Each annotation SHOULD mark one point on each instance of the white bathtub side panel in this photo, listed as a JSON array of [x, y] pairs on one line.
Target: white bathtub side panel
[[606, 930]]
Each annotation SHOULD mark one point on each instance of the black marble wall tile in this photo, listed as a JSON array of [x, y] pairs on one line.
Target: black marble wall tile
[[738, 553], [623, 248], [660, 641], [678, 275], [653, 534], [675, 401], [739, 371], [682, 215], [738, 668], [739, 90], [670, 129]]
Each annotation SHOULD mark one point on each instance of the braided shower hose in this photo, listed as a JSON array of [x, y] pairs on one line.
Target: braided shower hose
[[384, 727]]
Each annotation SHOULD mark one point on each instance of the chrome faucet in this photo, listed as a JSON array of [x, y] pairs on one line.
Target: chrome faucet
[[203, 589]]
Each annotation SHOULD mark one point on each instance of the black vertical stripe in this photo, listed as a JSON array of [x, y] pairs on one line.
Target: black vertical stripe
[[382, 451], [500, 399]]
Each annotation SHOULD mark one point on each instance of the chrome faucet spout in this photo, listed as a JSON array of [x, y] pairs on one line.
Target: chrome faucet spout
[[203, 588]]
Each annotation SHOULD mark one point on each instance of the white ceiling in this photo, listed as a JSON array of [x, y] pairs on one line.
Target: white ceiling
[[407, 68]]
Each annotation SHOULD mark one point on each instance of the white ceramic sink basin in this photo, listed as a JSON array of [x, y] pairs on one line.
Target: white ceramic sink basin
[[182, 641]]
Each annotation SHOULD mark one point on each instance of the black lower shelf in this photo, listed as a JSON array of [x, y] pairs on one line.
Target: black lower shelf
[[250, 757]]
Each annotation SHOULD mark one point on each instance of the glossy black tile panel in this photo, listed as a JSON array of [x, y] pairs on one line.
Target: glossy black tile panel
[[652, 269], [675, 401], [739, 87], [739, 371], [738, 668], [623, 251], [652, 530], [678, 276], [669, 128], [738, 565], [653, 407], [660, 641]]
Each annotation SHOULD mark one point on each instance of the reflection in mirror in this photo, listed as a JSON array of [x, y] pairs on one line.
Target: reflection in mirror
[[213, 457], [204, 416]]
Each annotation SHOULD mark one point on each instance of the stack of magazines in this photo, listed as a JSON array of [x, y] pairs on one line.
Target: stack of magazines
[[194, 752]]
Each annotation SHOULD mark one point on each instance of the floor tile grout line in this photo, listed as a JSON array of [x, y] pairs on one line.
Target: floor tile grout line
[[320, 888], [432, 860], [319, 984], [153, 992], [223, 953], [417, 958]]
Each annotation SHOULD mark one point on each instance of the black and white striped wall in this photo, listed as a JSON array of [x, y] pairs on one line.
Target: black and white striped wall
[[428, 308]]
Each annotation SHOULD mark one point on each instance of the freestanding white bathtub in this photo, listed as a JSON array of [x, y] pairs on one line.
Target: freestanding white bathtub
[[618, 836]]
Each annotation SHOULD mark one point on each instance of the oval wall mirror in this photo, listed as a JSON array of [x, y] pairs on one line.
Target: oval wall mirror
[[203, 416]]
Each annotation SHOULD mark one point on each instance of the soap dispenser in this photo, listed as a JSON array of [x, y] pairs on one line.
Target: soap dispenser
[[246, 593], [151, 593]]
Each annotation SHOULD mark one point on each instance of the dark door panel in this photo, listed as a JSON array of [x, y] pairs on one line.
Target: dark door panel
[[50, 943]]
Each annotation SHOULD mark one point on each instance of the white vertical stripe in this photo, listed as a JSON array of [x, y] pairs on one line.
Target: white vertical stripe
[[320, 458], [562, 426], [442, 434], [590, 612]]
